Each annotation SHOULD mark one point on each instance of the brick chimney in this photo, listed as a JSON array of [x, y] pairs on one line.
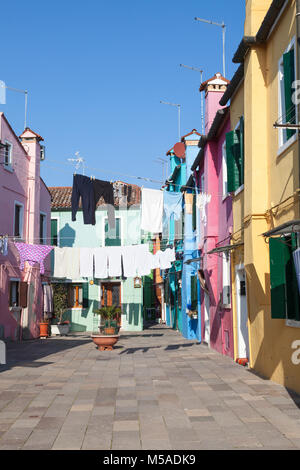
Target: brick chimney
[[214, 88]]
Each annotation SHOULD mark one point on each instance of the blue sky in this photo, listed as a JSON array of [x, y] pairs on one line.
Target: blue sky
[[96, 71]]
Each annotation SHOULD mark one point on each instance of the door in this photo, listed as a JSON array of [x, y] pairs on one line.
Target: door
[[206, 318], [242, 314], [111, 295]]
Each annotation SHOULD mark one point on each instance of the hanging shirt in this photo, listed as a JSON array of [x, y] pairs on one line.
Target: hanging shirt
[[33, 254], [188, 199], [48, 300], [152, 210], [144, 259], [130, 260], [105, 189], [114, 261], [4, 246], [83, 187], [172, 205], [201, 201]]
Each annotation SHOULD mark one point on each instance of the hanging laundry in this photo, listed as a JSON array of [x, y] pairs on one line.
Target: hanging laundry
[[86, 262], [144, 260], [129, 258], [164, 259], [152, 210], [105, 189], [66, 263], [4, 246], [114, 261], [48, 301], [296, 256], [83, 187], [188, 200], [172, 205], [201, 201], [101, 262], [33, 254]]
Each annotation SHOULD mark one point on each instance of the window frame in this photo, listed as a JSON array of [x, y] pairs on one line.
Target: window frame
[[105, 219], [57, 235], [21, 220], [14, 280], [43, 239], [8, 165], [226, 278], [77, 286], [284, 143], [225, 193]]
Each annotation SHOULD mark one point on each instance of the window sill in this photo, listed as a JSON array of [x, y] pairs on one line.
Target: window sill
[[225, 196], [292, 323], [239, 190], [8, 168], [287, 144], [15, 309]]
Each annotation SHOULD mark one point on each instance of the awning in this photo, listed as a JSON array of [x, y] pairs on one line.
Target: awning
[[284, 229], [224, 249], [193, 260]]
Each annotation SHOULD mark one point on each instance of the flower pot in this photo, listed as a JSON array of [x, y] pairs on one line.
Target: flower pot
[[111, 330], [44, 330], [105, 342], [61, 330]]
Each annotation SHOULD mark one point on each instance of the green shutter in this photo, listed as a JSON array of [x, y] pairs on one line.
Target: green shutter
[[289, 78], [194, 296], [242, 149], [233, 160], [279, 255], [85, 295], [54, 232]]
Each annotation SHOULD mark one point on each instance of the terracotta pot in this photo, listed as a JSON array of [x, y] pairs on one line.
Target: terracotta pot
[[105, 342], [44, 330], [110, 330]]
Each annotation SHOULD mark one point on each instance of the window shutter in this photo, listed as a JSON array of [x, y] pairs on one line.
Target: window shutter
[[194, 217], [289, 78], [85, 295], [233, 160], [279, 256], [54, 232], [242, 148], [23, 294], [194, 299]]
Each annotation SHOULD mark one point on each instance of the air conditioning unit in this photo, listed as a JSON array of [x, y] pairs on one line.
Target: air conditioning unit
[[42, 156]]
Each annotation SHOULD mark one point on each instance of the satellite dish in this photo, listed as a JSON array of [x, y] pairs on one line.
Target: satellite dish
[[179, 149]]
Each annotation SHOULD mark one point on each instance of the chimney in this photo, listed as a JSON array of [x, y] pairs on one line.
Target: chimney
[[214, 89], [31, 143]]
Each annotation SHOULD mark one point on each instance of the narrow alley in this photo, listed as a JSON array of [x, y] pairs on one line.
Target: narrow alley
[[154, 391]]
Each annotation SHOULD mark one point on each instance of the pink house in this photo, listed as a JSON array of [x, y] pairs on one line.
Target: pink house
[[24, 217], [215, 221]]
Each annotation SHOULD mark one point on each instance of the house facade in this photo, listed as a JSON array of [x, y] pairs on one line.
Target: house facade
[[88, 294], [25, 217]]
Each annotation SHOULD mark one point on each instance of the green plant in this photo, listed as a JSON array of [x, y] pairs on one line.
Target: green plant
[[108, 313], [60, 300]]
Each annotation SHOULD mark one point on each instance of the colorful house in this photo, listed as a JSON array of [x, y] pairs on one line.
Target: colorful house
[[24, 217], [267, 210], [88, 294], [214, 222]]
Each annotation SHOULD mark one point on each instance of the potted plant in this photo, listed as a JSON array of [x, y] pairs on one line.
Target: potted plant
[[44, 327], [60, 304], [109, 314]]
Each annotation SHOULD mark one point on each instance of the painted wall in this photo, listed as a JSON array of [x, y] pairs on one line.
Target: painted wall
[[268, 181], [76, 234], [15, 183]]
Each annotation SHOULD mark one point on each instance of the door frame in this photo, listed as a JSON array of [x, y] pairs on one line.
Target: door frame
[[206, 306], [243, 343]]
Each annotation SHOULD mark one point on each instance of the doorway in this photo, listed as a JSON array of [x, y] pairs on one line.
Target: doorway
[[242, 314], [111, 295], [206, 318]]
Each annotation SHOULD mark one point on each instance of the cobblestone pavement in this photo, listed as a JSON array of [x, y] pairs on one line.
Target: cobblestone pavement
[[154, 391]]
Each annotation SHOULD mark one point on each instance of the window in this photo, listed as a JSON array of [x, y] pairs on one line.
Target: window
[[286, 77], [54, 232], [18, 220], [43, 228], [78, 295], [113, 235], [226, 291], [7, 154], [18, 293], [285, 301], [235, 157]]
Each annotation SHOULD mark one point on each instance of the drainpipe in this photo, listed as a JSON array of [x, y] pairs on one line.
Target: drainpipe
[[298, 72]]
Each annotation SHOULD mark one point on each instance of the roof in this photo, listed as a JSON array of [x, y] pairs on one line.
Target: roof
[[28, 131], [263, 32], [236, 80], [224, 249], [217, 79], [194, 131], [61, 196]]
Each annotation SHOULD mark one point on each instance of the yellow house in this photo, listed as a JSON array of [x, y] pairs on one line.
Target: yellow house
[[266, 208]]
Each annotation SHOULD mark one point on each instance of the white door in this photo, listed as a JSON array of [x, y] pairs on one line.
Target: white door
[[242, 314], [206, 318]]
